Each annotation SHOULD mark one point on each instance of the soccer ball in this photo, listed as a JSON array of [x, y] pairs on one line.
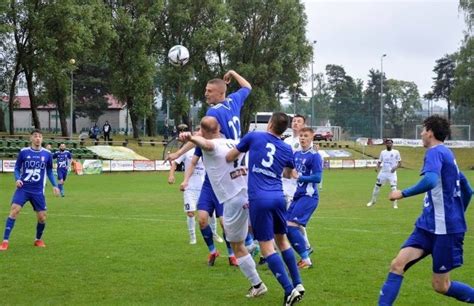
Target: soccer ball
[[178, 55]]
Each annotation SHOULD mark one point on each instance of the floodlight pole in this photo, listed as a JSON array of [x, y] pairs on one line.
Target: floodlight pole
[[312, 84], [295, 97], [72, 62], [381, 95]]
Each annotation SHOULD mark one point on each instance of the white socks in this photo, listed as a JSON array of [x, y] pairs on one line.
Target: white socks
[[192, 227], [375, 193], [248, 268], [305, 236], [213, 224]]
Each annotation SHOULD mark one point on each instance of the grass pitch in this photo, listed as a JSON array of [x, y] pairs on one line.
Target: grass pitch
[[122, 239]]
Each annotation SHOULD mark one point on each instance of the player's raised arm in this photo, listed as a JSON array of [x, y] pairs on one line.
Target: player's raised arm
[[202, 142], [231, 74]]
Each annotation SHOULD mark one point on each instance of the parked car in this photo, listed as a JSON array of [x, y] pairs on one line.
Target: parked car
[[323, 134]]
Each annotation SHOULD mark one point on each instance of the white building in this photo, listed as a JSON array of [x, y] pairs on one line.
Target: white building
[[116, 114]]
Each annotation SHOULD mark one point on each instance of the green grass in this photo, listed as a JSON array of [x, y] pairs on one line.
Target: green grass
[[122, 239]]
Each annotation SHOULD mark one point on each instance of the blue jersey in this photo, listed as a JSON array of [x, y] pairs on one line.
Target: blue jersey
[[268, 155], [31, 168], [307, 163], [227, 113], [62, 158], [443, 211]]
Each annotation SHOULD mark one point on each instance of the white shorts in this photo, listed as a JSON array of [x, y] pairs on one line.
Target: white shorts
[[236, 217], [387, 177], [190, 199]]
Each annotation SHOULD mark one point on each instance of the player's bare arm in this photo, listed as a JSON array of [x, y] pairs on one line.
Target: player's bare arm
[[188, 172], [199, 141], [56, 191], [171, 178], [232, 74], [397, 166], [175, 155], [232, 155], [378, 166], [290, 173], [395, 195]]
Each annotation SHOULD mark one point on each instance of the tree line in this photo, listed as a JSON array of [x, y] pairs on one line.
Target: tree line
[[119, 47]]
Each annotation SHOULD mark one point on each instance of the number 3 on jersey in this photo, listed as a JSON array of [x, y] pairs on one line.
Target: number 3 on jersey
[[268, 163]]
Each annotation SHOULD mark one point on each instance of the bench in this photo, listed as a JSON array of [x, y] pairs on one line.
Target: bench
[[150, 142]]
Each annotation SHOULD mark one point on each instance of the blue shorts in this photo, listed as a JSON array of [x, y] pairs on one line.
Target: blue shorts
[[62, 173], [21, 196], [267, 217], [301, 210], [446, 250], [208, 200]]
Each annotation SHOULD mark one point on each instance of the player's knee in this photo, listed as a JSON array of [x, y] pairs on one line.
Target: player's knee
[[290, 223], [190, 214], [282, 242], [397, 266], [440, 285], [14, 211], [202, 222], [41, 218]]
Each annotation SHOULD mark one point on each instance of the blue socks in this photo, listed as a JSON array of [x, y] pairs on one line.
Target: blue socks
[[390, 289], [8, 228], [297, 241], [290, 261], [61, 188], [249, 239], [39, 230], [461, 292], [207, 235], [227, 243], [278, 269]]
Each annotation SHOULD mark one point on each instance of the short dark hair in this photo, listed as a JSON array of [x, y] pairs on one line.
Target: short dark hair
[[439, 126], [300, 116], [388, 140], [279, 122], [36, 131]]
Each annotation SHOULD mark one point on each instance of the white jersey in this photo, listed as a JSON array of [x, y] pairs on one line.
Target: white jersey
[[197, 177], [289, 185], [294, 143], [227, 179], [389, 160]]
